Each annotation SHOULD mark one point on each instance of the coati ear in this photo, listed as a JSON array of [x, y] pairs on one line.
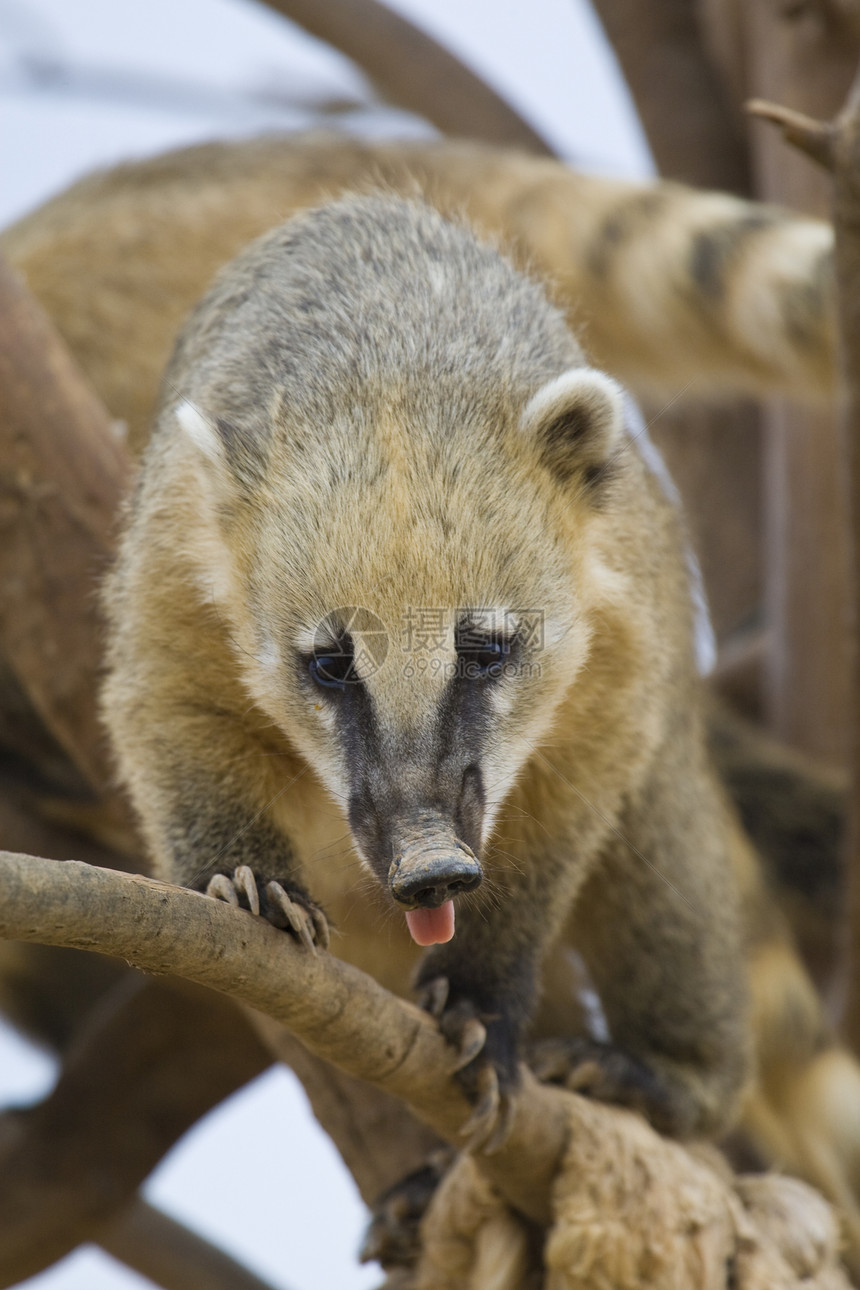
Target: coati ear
[[202, 432], [221, 443], [577, 423]]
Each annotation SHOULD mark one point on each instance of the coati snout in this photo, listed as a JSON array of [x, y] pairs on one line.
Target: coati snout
[[423, 876], [429, 870], [416, 811]]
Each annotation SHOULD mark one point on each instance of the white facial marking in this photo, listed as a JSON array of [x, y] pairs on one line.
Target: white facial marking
[[268, 655], [306, 640], [199, 430]]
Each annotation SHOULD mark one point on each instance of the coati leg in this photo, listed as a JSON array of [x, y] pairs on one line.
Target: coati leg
[[393, 1233], [232, 852], [211, 782], [214, 805], [219, 837], [657, 924]]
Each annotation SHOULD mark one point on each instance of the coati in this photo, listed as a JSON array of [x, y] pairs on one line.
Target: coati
[[398, 573], [668, 285]]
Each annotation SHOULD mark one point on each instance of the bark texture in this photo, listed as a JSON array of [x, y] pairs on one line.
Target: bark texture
[[62, 472]]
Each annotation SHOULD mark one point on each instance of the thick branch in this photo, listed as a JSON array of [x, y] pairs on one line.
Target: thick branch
[[62, 473], [684, 109], [846, 157], [413, 70], [337, 1012], [713, 454], [837, 147], [566, 1158], [151, 1061], [172, 1256]]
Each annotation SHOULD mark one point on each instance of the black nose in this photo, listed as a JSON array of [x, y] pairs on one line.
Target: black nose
[[429, 883]]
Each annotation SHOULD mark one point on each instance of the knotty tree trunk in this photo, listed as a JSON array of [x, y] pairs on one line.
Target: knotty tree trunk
[[802, 57], [713, 454]]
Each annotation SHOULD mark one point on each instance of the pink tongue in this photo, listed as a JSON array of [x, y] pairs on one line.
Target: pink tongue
[[431, 926]]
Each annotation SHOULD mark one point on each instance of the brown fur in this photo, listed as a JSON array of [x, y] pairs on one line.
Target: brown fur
[[384, 428], [119, 260]]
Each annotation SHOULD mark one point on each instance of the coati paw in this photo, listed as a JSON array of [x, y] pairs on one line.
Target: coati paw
[[296, 912], [606, 1073], [291, 910], [488, 1127], [392, 1236], [468, 1034], [485, 1065]]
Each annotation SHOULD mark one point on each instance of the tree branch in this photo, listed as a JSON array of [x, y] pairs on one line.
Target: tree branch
[[62, 472], [621, 1194], [338, 1012], [836, 146], [145, 1239], [414, 71], [685, 112], [815, 138], [846, 214], [153, 1059]]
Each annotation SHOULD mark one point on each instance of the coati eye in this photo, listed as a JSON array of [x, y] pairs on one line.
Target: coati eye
[[483, 658], [332, 671]]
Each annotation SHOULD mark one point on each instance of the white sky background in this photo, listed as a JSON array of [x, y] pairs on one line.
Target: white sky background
[[85, 83]]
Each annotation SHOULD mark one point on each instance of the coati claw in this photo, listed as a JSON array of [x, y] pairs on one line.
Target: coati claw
[[307, 921], [467, 1034], [481, 1126], [298, 919], [244, 881], [473, 1037], [221, 888], [502, 1131], [433, 995], [321, 927]]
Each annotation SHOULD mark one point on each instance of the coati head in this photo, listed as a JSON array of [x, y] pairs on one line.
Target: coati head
[[402, 466]]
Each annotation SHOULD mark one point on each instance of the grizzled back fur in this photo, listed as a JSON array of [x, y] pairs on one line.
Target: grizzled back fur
[[307, 308]]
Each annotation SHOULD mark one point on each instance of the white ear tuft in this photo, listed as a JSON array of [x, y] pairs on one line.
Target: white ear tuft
[[201, 431], [576, 421], [586, 387]]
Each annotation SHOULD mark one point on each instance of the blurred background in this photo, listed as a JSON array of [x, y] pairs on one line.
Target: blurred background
[[88, 83]]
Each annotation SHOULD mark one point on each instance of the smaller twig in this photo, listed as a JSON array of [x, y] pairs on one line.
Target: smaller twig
[[152, 1059], [815, 138], [413, 70], [175, 1258]]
